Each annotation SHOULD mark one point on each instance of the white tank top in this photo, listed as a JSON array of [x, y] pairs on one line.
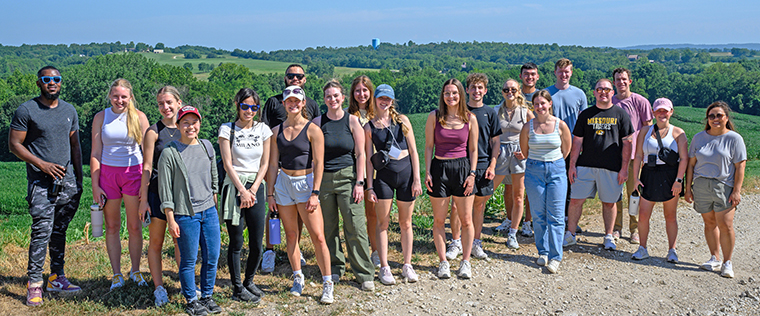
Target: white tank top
[[650, 145], [119, 150]]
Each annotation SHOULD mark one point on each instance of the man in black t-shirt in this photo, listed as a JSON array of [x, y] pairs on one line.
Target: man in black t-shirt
[[602, 139], [44, 132], [274, 113]]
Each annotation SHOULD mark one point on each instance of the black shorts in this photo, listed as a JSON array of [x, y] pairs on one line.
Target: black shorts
[[396, 176], [483, 186], [155, 206], [449, 176], [658, 182]]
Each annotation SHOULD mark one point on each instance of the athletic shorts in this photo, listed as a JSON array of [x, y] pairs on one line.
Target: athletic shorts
[[449, 176], [154, 201], [483, 186], [589, 181], [507, 164], [120, 181], [293, 190], [710, 195], [396, 176]]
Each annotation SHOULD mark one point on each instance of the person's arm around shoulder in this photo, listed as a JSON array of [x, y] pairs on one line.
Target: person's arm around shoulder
[[472, 151], [96, 153], [274, 159], [149, 147], [412, 145], [317, 139], [429, 145], [357, 132]]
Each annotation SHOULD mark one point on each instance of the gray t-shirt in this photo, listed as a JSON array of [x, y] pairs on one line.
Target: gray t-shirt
[[716, 155], [198, 168], [47, 133]]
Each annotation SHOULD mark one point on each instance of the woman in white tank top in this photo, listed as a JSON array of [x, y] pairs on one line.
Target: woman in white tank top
[[116, 169], [659, 182]]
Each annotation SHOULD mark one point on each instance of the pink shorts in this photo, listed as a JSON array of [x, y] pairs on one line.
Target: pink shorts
[[120, 181]]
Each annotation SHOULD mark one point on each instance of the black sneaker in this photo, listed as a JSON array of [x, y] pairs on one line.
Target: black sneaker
[[210, 305], [195, 308], [255, 290], [244, 295]]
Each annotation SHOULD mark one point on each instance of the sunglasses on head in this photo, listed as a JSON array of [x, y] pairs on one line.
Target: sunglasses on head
[[716, 116], [286, 93], [47, 79], [603, 90], [291, 76], [508, 90], [245, 107]]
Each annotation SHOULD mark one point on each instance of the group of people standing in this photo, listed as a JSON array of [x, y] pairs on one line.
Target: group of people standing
[[312, 169]]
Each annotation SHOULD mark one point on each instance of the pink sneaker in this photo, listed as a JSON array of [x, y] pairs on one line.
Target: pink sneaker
[[59, 283]]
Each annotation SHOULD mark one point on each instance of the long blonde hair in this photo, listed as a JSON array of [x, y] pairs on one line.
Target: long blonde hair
[[134, 131], [519, 101]]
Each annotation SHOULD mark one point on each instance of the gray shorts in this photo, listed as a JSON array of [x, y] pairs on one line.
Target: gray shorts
[[592, 180], [507, 164], [293, 190], [710, 195]]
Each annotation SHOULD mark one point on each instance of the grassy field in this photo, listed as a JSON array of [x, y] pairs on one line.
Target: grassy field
[[255, 65], [89, 267]]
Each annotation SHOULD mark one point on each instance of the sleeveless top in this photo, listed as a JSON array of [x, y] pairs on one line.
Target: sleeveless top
[[295, 154], [381, 137], [510, 129], [119, 150], [363, 117], [165, 136], [451, 143], [339, 143], [545, 147], [650, 145]]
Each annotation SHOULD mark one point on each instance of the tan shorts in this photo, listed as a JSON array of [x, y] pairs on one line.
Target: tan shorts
[[710, 195], [589, 181]]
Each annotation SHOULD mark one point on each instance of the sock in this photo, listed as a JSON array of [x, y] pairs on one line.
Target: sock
[[36, 284], [297, 272], [512, 231], [326, 278], [476, 241], [457, 241]]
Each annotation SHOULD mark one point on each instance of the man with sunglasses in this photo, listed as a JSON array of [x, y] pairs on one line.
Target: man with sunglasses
[[640, 111], [44, 133], [599, 159]]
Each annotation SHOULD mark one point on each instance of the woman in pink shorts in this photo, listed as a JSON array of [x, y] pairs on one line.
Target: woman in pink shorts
[[116, 169]]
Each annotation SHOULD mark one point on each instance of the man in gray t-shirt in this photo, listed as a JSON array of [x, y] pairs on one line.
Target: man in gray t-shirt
[[44, 133]]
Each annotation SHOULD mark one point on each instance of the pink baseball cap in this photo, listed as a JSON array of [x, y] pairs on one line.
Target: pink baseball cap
[[662, 103]]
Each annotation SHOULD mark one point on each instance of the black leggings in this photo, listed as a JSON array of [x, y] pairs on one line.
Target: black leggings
[[255, 218]]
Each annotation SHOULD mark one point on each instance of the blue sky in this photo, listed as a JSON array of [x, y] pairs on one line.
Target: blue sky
[[273, 25]]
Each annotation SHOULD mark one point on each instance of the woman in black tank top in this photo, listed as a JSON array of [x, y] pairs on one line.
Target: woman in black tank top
[[157, 136], [294, 191], [343, 187]]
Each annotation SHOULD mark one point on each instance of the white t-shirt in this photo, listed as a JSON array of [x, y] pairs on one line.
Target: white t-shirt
[[247, 147]]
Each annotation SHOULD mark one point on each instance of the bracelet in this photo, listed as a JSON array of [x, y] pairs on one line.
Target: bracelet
[[370, 188], [268, 195]]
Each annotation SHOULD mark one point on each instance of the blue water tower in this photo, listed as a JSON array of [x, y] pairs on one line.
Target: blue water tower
[[375, 42]]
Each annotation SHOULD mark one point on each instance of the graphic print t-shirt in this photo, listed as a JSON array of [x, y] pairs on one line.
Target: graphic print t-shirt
[[603, 132]]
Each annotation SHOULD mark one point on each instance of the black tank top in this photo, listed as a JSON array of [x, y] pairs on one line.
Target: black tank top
[[295, 154], [165, 135], [381, 137], [339, 143]]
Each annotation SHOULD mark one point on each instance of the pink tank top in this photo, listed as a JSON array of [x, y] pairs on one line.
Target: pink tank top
[[451, 143]]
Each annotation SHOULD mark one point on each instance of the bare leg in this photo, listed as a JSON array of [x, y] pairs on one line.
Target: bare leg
[[383, 212], [112, 216], [405, 210], [712, 234], [440, 209], [518, 192], [134, 227], [671, 221], [727, 234], [608, 213], [369, 212], [464, 204], [316, 227], [289, 219], [478, 213], [574, 211], [645, 213], [157, 230], [456, 226]]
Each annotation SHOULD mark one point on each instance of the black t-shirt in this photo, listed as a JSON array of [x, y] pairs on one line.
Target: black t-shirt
[[47, 133], [603, 132], [488, 127], [274, 113]]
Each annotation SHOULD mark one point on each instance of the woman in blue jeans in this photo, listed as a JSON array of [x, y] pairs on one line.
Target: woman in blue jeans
[[546, 141], [188, 203]]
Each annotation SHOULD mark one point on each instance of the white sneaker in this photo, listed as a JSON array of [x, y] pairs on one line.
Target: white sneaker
[[727, 270], [465, 270], [138, 277], [375, 259], [504, 225], [444, 270], [298, 284], [117, 281], [386, 277], [454, 249], [553, 266], [267, 262], [327, 293], [542, 260], [368, 286], [712, 265], [527, 229], [640, 254], [512, 241], [609, 242], [672, 256], [477, 250], [569, 239], [407, 271], [161, 296]]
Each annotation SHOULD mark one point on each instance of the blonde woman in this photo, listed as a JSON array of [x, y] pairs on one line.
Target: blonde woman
[[116, 168]]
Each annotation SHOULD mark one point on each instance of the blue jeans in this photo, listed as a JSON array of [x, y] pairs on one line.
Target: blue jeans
[[203, 229], [546, 186]]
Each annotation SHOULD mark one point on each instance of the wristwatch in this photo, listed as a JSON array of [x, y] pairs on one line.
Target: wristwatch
[[473, 172], [360, 182], [315, 192], [679, 180]]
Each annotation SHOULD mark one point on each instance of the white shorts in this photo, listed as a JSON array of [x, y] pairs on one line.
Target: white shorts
[[293, 190]]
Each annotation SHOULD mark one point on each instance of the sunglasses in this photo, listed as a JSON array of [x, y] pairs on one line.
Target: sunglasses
[[291, 76], [508, 90], [603, 90], [245, 107], [716, 116], [47, 79], [286, 93]]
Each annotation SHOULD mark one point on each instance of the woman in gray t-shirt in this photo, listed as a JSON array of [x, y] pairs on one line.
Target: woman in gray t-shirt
[[714, 176]]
